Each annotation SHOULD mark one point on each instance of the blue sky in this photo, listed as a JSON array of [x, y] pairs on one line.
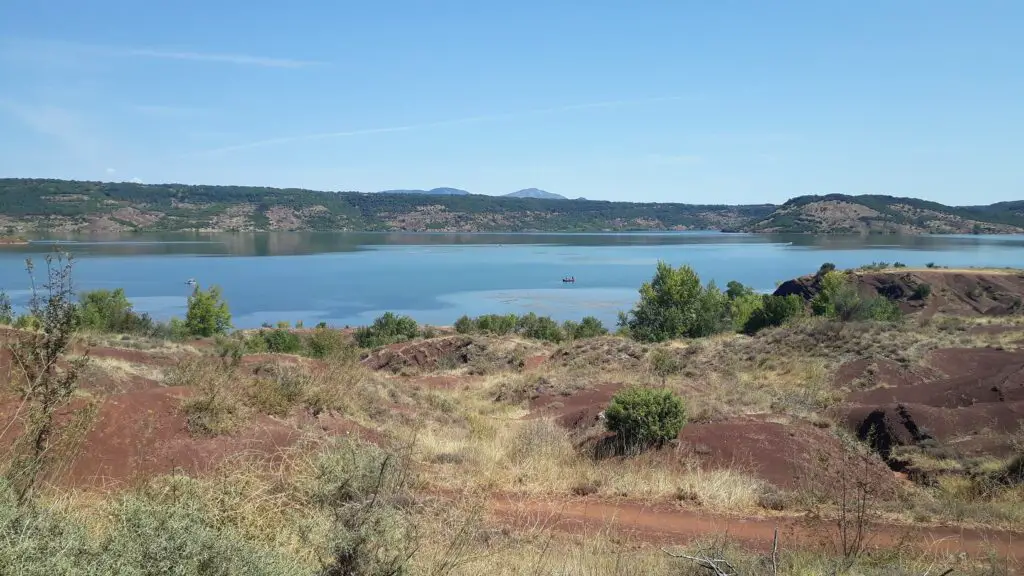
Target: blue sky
[[727, 101]]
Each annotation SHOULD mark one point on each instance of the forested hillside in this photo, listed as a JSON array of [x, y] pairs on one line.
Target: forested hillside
[[75, 205], [60, 205]]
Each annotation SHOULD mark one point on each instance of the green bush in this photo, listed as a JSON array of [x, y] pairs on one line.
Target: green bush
[[389, 328], [589, 327], [674, 304], [207, 314], [642, 417], [742, 308], [500, 324], [281, 341], [110, 311], [323, 342], [922, 291], [774, 311], [539, 328], [839, 299], [465, 325]]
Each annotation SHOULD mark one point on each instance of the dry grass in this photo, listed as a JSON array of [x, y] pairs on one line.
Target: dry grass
[[501, 453]]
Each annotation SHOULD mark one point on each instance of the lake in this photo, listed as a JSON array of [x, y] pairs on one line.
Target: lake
[[351, 278]]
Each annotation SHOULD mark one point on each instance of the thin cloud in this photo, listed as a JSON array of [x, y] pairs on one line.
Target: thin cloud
[[240, 59], [57, 51], [111, 170], [440, 123]]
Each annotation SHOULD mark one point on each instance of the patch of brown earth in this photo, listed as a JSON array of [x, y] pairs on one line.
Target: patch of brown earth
[[141, 434], [665, 524], [422, 355], [973, 405], [867, 373], [788, 456], [577, 411]]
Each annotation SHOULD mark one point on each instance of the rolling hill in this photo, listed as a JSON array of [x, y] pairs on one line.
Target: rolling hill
[[78, 206], [841, 214], [535, 193], [32, 205]]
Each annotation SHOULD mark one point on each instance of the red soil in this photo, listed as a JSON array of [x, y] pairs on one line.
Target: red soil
[[669, 525], [578, 411], [419, 355], [973, 402], [785, 455]]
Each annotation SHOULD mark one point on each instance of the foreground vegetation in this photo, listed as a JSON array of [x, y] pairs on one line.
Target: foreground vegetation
[[455, 478]]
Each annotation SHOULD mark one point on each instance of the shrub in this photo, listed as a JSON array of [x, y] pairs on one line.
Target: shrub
[[539, 328], [930, 265], [389, 328], [664, 363], [922, 291], [499, 324], [825, 269], [898, 265], [359, 484], [589, 327], [6, 310], [281, 341], [642, 417], [324, 342], [742, 308], [207, 314], [44, 390], [775, 311], [216, 407], [278, 389], [674, 304], [881, 310], [465, 325]]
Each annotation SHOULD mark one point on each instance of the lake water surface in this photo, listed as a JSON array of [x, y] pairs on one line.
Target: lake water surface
[[351, 278]]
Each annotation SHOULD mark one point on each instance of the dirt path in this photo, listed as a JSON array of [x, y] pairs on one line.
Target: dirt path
[[666, 525]]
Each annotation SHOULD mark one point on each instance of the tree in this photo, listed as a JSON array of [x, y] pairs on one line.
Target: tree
[[674, 305], [642, 417], [110, 311], [736, 290], [208, 313]]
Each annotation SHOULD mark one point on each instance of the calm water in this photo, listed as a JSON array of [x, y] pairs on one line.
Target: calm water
[[349, 279]]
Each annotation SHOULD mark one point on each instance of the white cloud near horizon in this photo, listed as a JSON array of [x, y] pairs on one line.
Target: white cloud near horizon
[[439, 123]]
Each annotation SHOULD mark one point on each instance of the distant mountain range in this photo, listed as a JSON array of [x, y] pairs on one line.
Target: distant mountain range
[[524, 193]]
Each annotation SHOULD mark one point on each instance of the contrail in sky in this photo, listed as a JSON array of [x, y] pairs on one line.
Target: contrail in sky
[[439, 123]]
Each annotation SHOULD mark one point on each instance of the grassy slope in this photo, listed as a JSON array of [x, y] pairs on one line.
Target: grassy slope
[[459, 440]]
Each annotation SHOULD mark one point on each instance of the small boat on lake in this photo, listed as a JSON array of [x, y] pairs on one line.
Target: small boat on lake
[[191, 282], [569, 280]]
